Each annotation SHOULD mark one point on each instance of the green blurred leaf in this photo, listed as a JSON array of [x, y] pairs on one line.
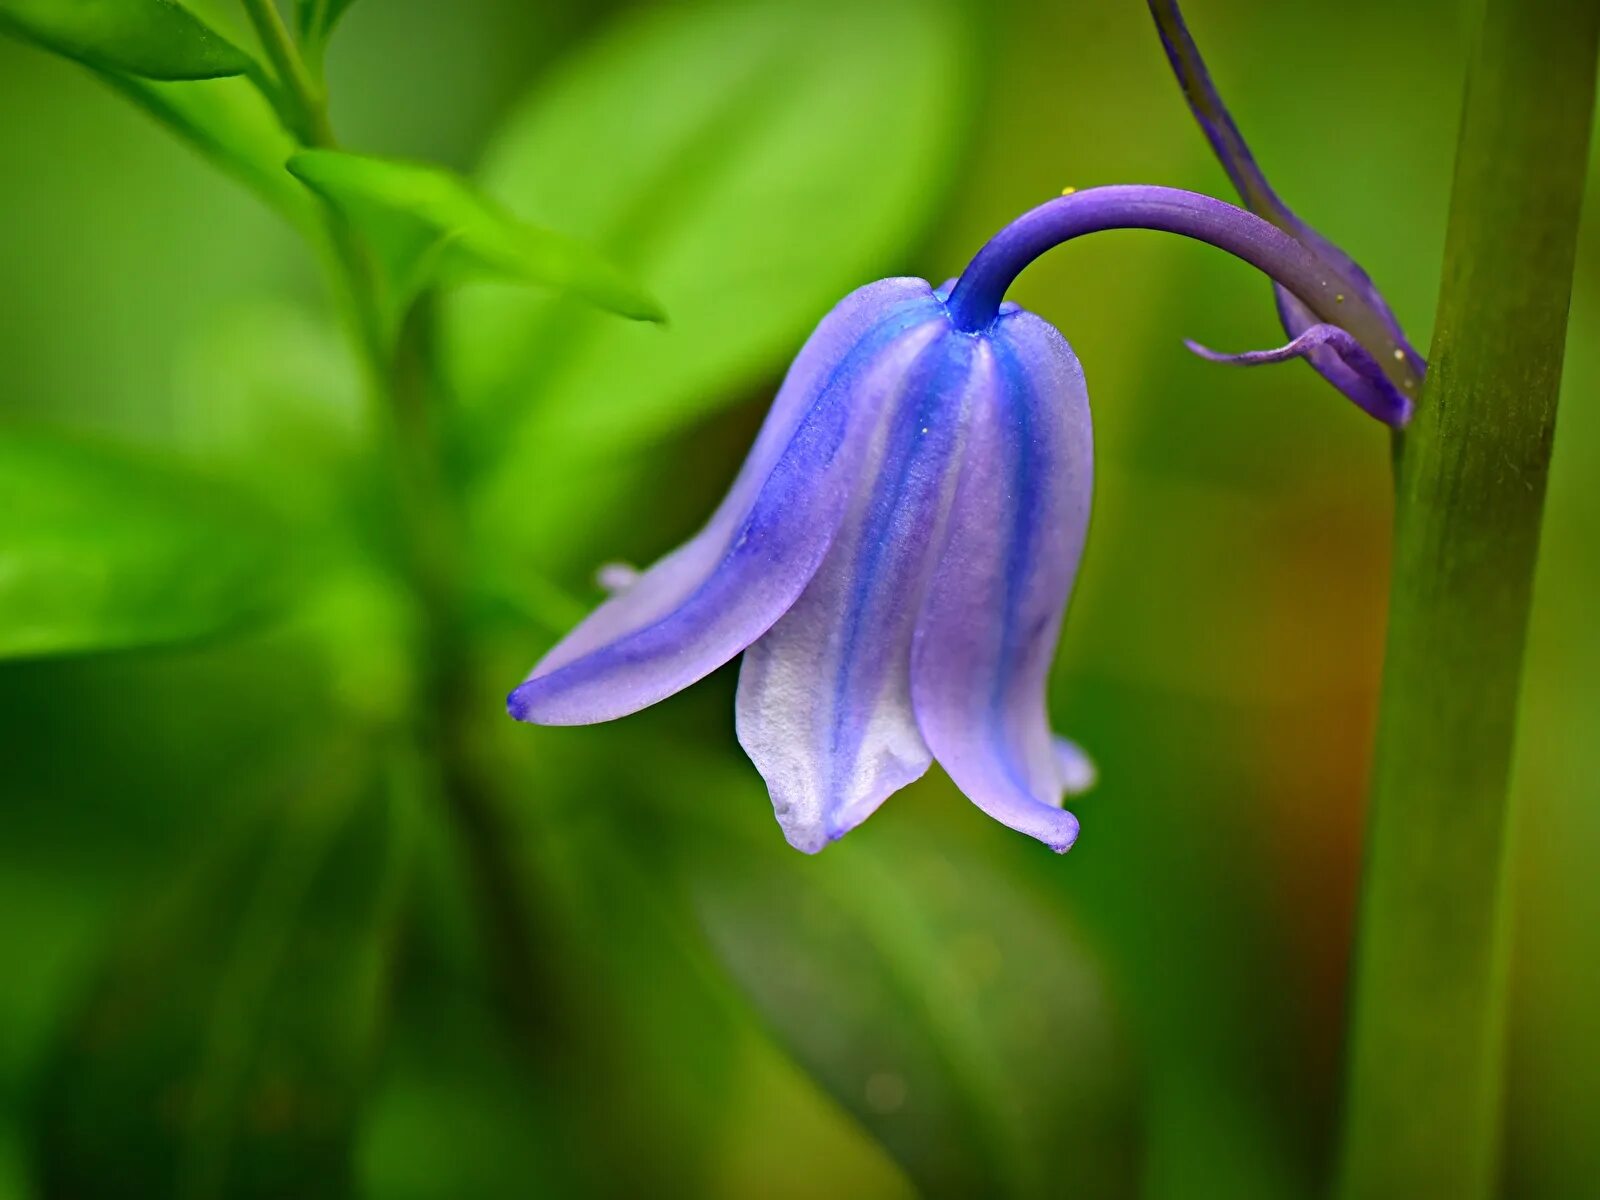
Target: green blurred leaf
[[459, 1115], [924, 981], [102, 549], [229, 122], [755, 162], [155, 39], [915, 970], [425, 221], [227, 1046], [465, 1106], [268, 390]]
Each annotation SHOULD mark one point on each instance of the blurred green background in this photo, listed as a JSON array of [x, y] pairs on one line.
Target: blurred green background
[[245, 950]]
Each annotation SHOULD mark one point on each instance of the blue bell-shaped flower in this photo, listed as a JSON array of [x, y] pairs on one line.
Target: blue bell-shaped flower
[[895, 556], [894, 560]]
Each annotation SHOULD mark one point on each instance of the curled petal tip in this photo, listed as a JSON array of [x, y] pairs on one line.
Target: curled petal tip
[[533, 704], [1343, 360], [810, 832], [809, 840], [1063, 840], [810, 837], [516, 703]]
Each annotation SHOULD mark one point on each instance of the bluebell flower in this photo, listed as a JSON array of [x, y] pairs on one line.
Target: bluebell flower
[[1325, 344], [895, 556], [894, 560]]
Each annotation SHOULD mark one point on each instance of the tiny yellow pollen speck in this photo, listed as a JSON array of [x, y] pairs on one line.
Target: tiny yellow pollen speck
[[1067, 191], [1399, 354], [1409, 383], [1338, 298]]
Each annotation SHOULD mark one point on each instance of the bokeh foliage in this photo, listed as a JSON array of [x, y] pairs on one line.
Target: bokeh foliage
[[245, 955]]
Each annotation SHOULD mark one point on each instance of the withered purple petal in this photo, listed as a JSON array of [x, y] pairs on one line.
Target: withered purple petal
[[1259, 197], [1340, 358]]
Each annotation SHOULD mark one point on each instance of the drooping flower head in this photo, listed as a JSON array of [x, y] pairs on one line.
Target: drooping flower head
[[894, 560], [896, 554]]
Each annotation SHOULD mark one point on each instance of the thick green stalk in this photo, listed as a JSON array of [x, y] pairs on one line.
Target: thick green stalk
[[1425, 1047]]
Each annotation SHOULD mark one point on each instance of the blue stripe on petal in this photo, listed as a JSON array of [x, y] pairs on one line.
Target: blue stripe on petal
[[988, 631], [702, 604], [824, 707]]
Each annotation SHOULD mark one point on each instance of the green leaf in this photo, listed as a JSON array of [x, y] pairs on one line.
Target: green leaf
[[756, 163], [268, 391], [103, 549], [954, 1009], [425, 221], [229, 122], [916, 970], [155, 39], [228, 1043], [460, 1114]]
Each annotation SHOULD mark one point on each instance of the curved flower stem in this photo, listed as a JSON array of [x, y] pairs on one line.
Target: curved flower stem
[[1423, 1098], [975, 302]]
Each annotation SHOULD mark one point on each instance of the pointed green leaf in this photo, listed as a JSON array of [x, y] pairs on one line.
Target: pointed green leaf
[[426, 221], [155, 39], [228, 1043], [102, 549]]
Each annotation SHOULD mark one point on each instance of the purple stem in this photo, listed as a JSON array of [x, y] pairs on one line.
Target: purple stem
[[1214, 118], [975, 302]]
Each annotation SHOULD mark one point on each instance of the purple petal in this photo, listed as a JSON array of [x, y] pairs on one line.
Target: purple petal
[[1341, 359], [824, 707], [984, 643], [706, 601]]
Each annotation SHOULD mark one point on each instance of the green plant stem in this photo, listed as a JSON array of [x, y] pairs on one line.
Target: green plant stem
[[400, 379], [307, 107], [1425, 1048], [303, 107]]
